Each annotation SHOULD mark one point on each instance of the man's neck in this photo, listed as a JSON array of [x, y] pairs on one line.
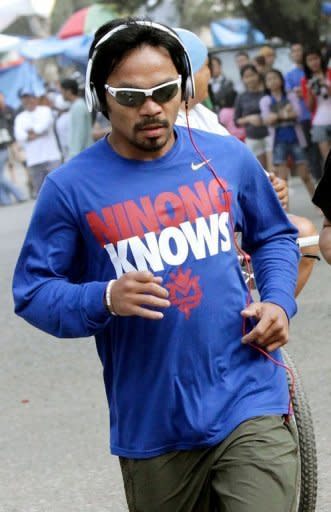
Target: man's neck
[[192, 102]]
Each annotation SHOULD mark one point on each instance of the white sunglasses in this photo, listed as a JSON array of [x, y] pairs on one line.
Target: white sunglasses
[[136, 97]]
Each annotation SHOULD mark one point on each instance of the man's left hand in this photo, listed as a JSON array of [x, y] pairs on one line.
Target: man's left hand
[[271, 330]]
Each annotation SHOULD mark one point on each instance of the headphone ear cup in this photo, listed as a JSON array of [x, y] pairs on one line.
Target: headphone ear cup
[[189, 88], [88, 98], [91, 98], [95, 100]]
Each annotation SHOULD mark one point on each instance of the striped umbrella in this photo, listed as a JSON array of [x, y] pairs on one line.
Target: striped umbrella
[[87, 20]]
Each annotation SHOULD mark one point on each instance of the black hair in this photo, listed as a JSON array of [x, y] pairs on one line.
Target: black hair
[[260, 60], [248, 66], [313, 50], [70, 84], [214, 57], [230, 98], [281, 77], [296, 44], [113, 50], [242, 53]]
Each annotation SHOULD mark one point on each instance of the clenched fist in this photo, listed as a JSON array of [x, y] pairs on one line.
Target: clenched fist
[[135, 293]]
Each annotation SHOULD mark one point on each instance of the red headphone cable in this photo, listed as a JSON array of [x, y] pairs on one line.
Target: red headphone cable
[[246, 259]]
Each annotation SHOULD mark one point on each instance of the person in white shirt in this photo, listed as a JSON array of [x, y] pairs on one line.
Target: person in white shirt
[[199, 116], [33, 127], [80, 121]]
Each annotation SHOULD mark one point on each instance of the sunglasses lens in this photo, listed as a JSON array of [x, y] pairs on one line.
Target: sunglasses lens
[[166, 93], [130, 99]]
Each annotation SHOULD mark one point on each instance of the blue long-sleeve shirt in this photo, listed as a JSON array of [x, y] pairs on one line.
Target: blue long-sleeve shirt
[[185, 381]]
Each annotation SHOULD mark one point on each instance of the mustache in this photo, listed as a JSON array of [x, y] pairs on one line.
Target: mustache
[[152, 122]]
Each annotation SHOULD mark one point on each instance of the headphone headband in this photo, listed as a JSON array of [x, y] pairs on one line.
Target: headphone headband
[[91, 96]]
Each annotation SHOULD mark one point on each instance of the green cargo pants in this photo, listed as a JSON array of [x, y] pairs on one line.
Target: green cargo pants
[[253, 470]]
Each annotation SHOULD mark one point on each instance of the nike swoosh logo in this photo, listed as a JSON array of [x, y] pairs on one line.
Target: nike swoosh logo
[[196, 167]]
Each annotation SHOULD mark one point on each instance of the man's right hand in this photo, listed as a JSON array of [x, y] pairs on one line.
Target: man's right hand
[[254, 119], [133, 291]]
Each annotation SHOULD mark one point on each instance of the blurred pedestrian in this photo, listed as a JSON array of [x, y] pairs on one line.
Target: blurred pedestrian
[[8, 191], [281, 112], [260, 63], [241, 59], [80, 120], [293, 81], [317, 93], [60, 109], [34, 128], [248, 115], [269, 53], [219, 86]]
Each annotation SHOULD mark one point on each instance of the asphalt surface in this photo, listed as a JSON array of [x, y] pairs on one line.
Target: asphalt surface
[[54, 419]]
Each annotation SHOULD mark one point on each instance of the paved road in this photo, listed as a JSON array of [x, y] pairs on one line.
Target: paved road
[[54, 423]]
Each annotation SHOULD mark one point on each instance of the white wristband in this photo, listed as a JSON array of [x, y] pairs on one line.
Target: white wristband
[[108, 296]]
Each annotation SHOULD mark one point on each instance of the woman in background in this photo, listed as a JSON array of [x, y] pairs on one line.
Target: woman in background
[[247, 115], [281, 112]]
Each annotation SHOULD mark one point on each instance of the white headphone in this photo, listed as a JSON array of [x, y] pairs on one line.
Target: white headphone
[[92, 100]]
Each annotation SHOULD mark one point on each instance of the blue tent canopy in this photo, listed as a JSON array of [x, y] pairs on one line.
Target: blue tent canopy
[[76, 47], [79, 52], [235, 32], [326, 8], [22, 76]]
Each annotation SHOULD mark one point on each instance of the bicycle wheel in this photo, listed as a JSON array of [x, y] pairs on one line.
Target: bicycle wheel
[[307, 485]]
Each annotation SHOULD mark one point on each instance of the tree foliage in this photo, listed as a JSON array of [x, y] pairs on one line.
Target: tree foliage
[[63, 9], [291, 21]]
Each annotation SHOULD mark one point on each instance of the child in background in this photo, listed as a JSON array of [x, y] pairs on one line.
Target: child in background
[[226, 117]]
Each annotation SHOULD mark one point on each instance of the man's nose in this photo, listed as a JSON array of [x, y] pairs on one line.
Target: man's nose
[[150, 107]]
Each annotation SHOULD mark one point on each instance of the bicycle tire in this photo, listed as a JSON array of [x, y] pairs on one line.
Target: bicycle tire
[[308, 472]]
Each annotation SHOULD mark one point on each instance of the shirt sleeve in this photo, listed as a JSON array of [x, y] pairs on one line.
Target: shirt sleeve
[[269, 237], [265, 107], [20, 131], [293, 99], [47, 285], [44, 121]]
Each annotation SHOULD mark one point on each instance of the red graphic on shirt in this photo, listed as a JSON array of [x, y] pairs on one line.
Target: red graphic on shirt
[[131, 218], [184, 291]]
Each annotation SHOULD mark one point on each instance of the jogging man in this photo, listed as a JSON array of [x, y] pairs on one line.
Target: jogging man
[[132, 241]]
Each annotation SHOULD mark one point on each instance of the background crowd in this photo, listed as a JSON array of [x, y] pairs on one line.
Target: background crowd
[[285, 119]]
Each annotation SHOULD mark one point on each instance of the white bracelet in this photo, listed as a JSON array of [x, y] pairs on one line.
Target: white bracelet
[[108, 296]]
